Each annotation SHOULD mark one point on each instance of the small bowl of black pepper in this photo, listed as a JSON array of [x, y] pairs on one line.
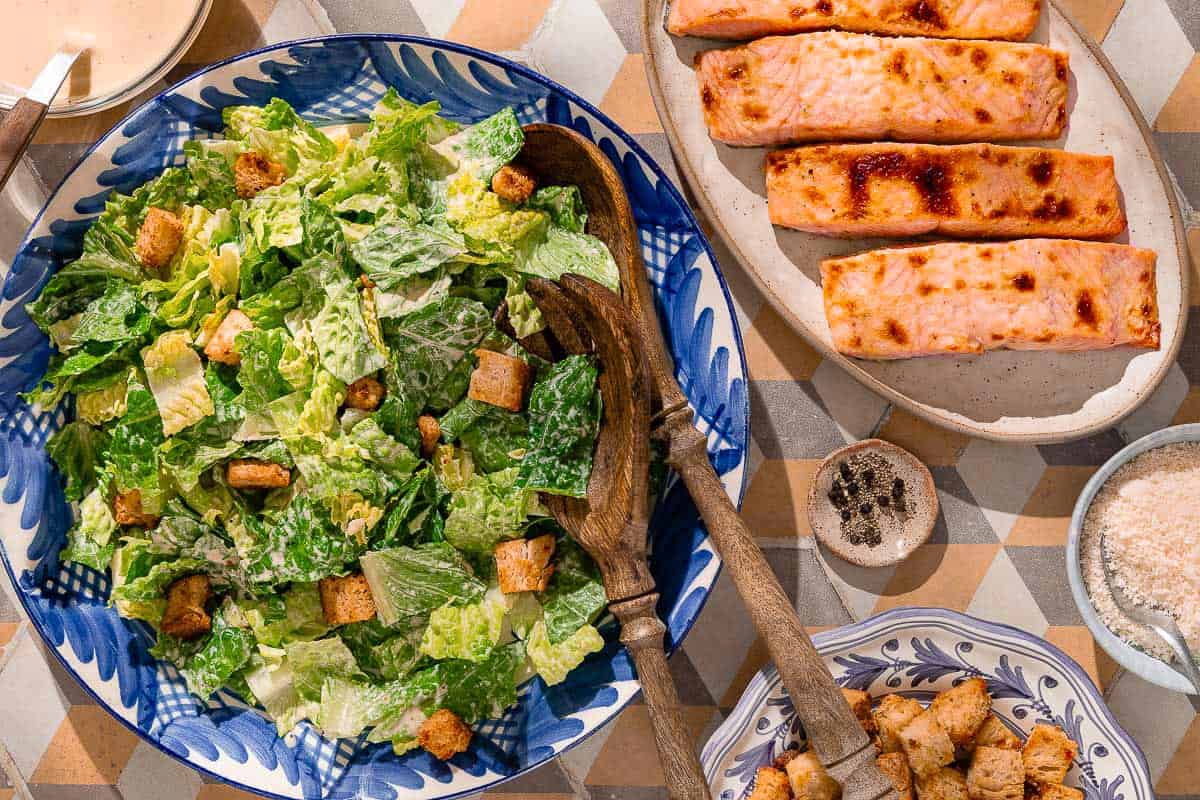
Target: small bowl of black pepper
[[872, 503]]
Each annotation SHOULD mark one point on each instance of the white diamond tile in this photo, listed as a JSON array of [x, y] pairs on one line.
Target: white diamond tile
[[577, 47], [1159, 410], [153, 775], [32, 696], [718, 643], [437, 15], [854, 408], [1001, 477], [1158, 733], [858, 587], [1140, 25], [1003, 597], [295, 19]]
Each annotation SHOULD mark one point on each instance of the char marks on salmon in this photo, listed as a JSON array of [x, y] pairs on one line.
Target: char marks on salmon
[[849, 86], [953, 19], [974, 190], [1030, 294]]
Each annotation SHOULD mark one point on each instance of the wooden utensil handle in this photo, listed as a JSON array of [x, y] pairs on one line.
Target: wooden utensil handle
[[16, 132], [642, 633], [833, 732]]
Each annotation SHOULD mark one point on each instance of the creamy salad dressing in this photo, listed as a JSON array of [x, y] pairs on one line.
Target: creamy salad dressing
[[127, 38]]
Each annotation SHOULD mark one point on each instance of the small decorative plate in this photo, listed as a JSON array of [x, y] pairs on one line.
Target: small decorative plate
[[329, 80], [918, 652]]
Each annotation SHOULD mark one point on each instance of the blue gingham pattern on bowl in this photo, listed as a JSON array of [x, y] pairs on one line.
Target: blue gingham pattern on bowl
[[918, 652], [338, 79]]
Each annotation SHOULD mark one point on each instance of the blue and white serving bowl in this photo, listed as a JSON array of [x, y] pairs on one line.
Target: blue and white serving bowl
[[328, 80], [918, 652]]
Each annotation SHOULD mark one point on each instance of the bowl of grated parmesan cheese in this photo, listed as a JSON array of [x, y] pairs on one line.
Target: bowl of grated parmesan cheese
[[1140, 513]]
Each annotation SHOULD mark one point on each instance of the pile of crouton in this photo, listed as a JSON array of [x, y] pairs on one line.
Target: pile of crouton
[[956, 749]]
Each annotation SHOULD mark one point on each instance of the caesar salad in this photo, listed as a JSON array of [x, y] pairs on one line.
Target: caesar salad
[[303, 449]]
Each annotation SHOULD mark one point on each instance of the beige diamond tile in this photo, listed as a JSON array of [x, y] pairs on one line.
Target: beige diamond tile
[[90, 747], [1182, 774], [1179, 114], [934, 445], [497, 24], [1003, 597], [776, 501], [628, 99], [1047, 515], [1077, 642], [775, 352], [1151, 80], [1001, 478], [1094, 16], [940, 575]]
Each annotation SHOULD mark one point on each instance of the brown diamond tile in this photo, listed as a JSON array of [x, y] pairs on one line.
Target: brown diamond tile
[[1182, 775], [775, 352], [1193, 238], [944, 575], [223, 791], [7, 631], [628, 99], [1189, 409], [1077, 642], [1047, 514], [233, 26], [65, 791], [934, 445], [629, 757], [497, 24], [546, 781], [1094, 16], [90, 747], [1179, 113], [6, 794], [776, 502]]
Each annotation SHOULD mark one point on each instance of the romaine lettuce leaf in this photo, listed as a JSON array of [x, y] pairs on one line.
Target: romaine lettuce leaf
[[495, 437], [292, 616], [396, 251], [259, 271], [225, 651], [554, 661], [564, 251], [76, 449], [413, 581], [301, 543], [118, 315], [133, 449], [383, 652], [144, 597], [176, 378], [437, 342], [99, 405], [340, 333], [224, 268], [280, 134], [322, 231], [274, 217], [488, 510], [209, 163], [91, 540], [313, 662], [469, 631], [383, 450], [483, 148], [412, 294], [260, 352], [564, 418], [270, 677], [564, 204], [309, 413], [72, 288], [575, 596]]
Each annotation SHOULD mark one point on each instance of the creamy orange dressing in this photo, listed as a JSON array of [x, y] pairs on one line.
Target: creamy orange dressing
[[127, 39]]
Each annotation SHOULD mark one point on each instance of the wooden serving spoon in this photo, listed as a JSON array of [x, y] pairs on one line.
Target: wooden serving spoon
[[559, 155], [611, 523]]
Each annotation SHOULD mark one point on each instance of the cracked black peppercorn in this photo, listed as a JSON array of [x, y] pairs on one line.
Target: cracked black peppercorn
[[845, 515], [883, 500], [844, 470], [865, 508]]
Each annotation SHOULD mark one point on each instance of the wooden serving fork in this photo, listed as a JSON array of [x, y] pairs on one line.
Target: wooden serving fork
[[560, 155], [611, 523]]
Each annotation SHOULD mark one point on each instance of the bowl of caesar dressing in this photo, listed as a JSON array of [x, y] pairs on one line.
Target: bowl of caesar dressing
[[132, 44]]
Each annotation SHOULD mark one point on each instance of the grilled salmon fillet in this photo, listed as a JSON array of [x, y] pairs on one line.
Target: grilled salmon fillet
[[838, 86], [1030, 294], [957, 190], [955, 19]]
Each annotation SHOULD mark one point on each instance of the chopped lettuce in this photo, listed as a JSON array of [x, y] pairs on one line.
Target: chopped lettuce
[[469, 631], [292, 616], [564, 418], [176, 378], [575, 596], [340, 332], [76, 450], [554, 661], [225, 651], [488, 510], [437, 342], [413, 581], [133, 450], [313, 662], [91, 540], [301, 543]]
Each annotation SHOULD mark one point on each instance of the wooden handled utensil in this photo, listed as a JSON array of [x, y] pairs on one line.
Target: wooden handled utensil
[[611, 523], [560, 155], [23, 119]]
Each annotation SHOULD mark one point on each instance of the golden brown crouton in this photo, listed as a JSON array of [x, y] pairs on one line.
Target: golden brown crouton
[[996, 774], [1055, 791], [891, 715], [781, 761], [500, 380], [158, 238], [962, 709], [346, 599], [860, 703], [514, 183], [185, 617], [253, 172], [926, 744], [365, 394], [523, 565], [127, 509], [770, 784], [809, 780], [1048, 754], [431, 432], [946, 783], [895, 767], [444, 734], [250, 473], [994, 733], [221, 346], [366, 282]]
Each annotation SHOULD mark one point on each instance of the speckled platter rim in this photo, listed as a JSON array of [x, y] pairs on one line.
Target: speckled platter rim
[[1141, 664], [653, 15]]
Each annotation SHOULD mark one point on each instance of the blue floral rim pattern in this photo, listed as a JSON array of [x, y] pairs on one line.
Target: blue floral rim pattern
[[328, 80]]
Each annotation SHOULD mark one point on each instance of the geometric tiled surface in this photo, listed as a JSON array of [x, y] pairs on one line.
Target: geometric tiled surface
[[998, 549]]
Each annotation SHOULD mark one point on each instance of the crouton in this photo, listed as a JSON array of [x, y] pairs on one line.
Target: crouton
[[994, 733], [500, 380], [365, 394], [770, 784], [1055, 791], [514, 183], [444, 734], [431, 432], [523, 565], [895, 768], [1048, 754], [946, 783], [158, 238], [962, 709], [346, 599], [366, 282], [781, 761], [996, 774], [185, 617], [891, 715], [809, 780], [926, 744], [860, 703], [253, 172], [221, 346], [250, 473], [127, 509]]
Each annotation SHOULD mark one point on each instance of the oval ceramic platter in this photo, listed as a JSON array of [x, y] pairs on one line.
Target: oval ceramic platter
[[1034, 397], [918, 652], [332, 80]]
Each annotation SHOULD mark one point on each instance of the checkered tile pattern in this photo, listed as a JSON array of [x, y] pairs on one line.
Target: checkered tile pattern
[[997, 551]]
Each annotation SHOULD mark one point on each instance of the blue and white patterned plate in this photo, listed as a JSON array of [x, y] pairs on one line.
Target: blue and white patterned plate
[[338, 79], [918, 652]]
